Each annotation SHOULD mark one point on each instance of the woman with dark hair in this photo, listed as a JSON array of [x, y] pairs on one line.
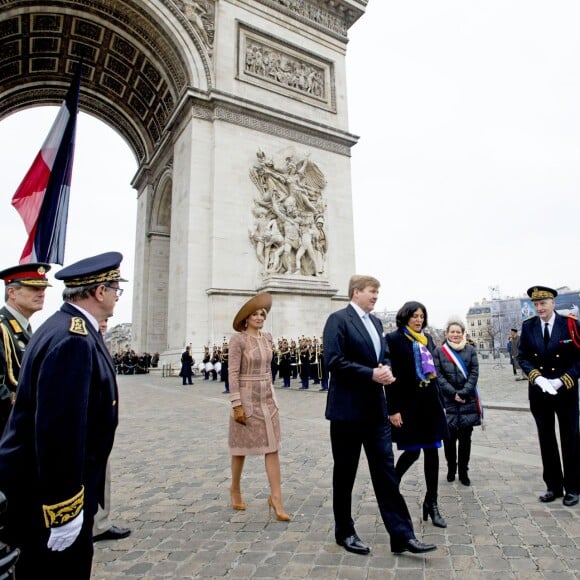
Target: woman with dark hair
[[458, 371], [254, 427], [414, 402]]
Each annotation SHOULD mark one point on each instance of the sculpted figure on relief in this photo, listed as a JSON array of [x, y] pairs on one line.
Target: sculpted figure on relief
[[288, 226]]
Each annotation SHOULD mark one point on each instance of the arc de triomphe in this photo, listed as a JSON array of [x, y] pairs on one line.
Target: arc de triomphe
[[236, 111]]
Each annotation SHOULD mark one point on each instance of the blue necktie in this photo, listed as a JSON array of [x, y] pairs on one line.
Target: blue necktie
[[546, 334], [373, 334]]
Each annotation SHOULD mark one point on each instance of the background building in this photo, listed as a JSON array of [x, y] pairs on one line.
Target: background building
[[489, 321]]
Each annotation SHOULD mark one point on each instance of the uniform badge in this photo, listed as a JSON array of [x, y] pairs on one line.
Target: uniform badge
[[78, 326]]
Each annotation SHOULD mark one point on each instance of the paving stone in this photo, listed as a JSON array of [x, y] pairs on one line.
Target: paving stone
[[170, 468]]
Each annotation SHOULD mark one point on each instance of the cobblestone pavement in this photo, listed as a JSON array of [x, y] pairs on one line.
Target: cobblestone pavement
[[171, 476]]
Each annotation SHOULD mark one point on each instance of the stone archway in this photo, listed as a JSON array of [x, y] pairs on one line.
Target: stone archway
[[198, 88]]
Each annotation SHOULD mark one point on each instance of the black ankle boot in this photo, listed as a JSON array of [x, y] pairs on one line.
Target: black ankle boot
[[463, 477], [450, 473], [431, 509]]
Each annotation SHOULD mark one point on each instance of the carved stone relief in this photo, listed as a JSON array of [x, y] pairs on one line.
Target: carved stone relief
[[313, 13], [201, 14], [275, 65], [289, 213]]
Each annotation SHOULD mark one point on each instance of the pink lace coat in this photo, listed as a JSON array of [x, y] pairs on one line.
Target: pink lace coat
[[250, 379]]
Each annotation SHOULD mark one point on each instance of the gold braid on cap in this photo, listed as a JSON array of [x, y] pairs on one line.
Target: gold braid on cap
[[101, 278], [538, 294]]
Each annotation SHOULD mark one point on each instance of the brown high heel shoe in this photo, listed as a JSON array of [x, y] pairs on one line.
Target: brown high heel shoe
[[281, 515], [236, 499]]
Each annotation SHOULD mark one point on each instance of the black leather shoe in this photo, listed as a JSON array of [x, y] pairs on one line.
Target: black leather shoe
[[550, 496], [570, 499], [412, 545], [354, 544], [113, 533]]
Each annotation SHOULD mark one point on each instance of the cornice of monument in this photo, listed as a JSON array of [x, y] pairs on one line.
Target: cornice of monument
[[333, 17], [234, 109]]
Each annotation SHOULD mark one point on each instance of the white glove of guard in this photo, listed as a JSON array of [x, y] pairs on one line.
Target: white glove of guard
[[556, 383], [63, 536], [545, 385]]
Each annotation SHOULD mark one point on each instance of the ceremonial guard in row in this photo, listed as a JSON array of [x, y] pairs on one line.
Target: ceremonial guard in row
[[25, 286], [549, 354], [284, 363], [54, 450], [304, 363], [224, 356]]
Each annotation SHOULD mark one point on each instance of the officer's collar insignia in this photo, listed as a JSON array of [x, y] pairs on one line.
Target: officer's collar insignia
[[15, 326], [78, 326]]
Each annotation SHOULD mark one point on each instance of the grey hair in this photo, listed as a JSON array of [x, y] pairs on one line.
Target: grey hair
[[79, 292], [455, 320], [10, 285]]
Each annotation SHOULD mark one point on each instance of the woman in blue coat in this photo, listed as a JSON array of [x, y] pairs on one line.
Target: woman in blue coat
[[414, 403]]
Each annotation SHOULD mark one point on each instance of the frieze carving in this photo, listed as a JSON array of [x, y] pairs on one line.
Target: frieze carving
[[275, 65], [289, 214], [283, 69], [334, 22]]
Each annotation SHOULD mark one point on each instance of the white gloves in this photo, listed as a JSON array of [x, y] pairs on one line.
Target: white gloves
[[546, 385], [556, 383], [63, 537]]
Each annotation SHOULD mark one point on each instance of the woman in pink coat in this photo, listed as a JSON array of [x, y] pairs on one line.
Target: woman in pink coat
[[255, 421]]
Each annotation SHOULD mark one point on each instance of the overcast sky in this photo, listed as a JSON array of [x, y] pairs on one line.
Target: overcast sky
[[466, 174]]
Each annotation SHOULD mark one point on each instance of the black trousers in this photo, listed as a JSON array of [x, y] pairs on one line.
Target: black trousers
[[430, 468], [545, 408], [459, 437], [347, 439]]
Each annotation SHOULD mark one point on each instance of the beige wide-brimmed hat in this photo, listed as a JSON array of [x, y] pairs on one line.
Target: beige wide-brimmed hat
[[263, 300]]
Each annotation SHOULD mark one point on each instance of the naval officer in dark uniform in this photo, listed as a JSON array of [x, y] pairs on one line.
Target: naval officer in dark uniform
[[23, 296], [54, 451], [549, 354]]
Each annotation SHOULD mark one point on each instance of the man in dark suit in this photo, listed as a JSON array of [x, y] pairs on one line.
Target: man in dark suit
[[355, 353], [549, 354], [54, 451]]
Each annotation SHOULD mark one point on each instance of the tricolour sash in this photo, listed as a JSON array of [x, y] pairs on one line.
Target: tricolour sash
[[451, 355]]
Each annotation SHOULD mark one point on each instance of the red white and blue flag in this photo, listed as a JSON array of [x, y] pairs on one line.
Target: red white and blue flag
[[42, 197]]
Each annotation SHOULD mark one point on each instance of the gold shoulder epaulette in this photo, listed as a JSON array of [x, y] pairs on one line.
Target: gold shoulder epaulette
[[15, 326], [63, 512], [78, 326]]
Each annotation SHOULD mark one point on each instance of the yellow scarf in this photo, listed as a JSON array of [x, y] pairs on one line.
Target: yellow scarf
[[418, 336]]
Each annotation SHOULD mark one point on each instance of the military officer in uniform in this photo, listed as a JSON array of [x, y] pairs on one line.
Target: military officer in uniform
[[284, 365], [54, 450], [24, 295], [304, 363], [224, 371], [549, 354]]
